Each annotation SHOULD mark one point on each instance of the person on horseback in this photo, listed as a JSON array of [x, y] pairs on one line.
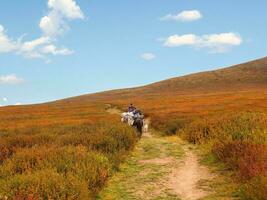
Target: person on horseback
[[131, 108], [134, 118]]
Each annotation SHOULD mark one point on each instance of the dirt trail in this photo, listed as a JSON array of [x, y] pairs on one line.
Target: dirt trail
[[160, 168], [185, 179]]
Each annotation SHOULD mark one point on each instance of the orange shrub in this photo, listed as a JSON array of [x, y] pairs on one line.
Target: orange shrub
[[78, 157], [240, 141], [170, 126], [43, 184]]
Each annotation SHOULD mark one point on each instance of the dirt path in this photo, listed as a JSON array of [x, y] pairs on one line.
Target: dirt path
[[165, 168], [160, 168], [185, 179]]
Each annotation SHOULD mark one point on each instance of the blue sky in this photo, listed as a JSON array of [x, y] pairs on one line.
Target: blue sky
[[52, 49]]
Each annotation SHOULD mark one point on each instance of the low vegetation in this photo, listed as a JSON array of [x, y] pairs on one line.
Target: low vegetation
[[61, 162], [239, 140], [202, 108]]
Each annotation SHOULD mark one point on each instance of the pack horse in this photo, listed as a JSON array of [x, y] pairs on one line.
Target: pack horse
[[134, 118]]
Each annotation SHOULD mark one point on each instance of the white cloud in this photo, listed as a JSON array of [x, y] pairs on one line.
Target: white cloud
[[148, 56], [184, 16], [10, 79], [6, 44], [18, 104], [177, 40], [54, 24], [37, 48], [30, 49], [67, 8], [216, 43], [4, 99], [52, 49], [31, 45]]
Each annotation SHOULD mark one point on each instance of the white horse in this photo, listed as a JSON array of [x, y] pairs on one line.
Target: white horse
[[128, 117]]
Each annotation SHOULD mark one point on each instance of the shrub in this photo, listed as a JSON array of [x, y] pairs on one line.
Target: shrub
[[43, 184], [91, 167], [198, 131], [253, 162], [103, 137], [240, 141], [5, 151], [255, 189], [84, 152], [170, 126]]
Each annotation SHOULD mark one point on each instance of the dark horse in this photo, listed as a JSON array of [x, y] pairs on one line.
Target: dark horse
[[134, 119], [138, 123]]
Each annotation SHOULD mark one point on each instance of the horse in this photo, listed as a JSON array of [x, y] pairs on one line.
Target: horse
[[133, 120]]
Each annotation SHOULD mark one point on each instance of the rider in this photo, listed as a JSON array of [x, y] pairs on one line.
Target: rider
[[131, 108]]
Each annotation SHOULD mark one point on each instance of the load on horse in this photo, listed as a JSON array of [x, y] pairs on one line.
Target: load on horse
[[133, 117]]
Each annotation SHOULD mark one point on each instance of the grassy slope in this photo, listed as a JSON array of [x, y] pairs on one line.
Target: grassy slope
[[241, 87]]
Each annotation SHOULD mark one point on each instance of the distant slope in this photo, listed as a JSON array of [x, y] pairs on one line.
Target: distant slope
[[251, 74], [246, 76], [241, 87]]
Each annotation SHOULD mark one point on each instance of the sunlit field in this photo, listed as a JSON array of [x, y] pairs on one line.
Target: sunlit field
[[60, 152]]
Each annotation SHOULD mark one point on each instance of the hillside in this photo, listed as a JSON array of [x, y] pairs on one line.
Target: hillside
[[240, 87], [250, 75], [73, 146]]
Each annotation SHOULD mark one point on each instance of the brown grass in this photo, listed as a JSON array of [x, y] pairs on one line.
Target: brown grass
[[55, 152]]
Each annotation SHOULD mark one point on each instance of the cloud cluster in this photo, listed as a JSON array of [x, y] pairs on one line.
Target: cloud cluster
[[11, 79], [6, 44], [53, 25], [184, 16], [148, 56], [216, 43]]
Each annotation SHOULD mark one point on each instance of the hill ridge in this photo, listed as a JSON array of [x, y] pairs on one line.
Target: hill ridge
[[245, 76]]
